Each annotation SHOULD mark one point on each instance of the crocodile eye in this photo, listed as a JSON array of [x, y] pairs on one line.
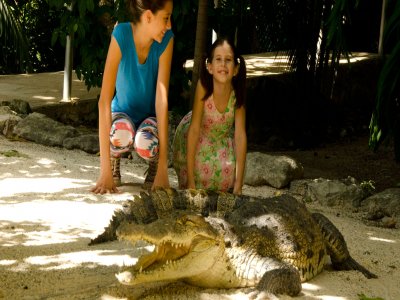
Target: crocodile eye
[[182, 220], [186, 220], [190, 223]]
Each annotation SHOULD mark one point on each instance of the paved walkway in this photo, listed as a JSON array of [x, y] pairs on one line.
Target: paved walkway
[[42, 89]]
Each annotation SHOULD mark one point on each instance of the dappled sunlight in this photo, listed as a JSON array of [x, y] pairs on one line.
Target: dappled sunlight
[[41, 222], [44, 97], [14, 186], [275, 63], [46, 162], [356, 57], [7, 262], [135, 176], [310, 291], [77, 259], [378, 239], [310, 287]]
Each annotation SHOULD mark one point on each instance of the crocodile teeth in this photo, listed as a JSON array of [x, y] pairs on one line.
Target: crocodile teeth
[[141, 269], [124, 277]]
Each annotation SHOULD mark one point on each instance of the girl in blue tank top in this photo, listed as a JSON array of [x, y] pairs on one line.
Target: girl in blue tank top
[[133, 104]]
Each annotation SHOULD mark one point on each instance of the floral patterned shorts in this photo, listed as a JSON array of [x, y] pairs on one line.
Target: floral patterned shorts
[[125, 138]]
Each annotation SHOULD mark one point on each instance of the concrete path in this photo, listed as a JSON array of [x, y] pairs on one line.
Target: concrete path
[[42, 89]]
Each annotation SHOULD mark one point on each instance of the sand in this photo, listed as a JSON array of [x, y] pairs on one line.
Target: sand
[[48, 215]]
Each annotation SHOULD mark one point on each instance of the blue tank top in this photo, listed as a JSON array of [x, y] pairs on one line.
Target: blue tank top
[[136, 83]]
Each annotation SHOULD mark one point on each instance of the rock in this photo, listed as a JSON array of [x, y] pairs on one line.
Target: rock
[[329, 192], [21, 107], [43, 130], [276, 171], [87, 142], [383, 204]]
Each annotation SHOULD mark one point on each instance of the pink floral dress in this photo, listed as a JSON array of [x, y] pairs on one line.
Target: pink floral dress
[[215, 160]]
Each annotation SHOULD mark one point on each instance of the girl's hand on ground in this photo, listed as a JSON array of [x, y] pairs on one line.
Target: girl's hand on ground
[[104, 187]]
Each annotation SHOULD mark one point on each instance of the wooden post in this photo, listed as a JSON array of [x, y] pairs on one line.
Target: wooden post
[[200, 45], [68, 65], [383, 16]]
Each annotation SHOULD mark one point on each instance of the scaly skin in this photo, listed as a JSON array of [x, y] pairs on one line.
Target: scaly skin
[[145, 208], [225, 241], [190, 249]]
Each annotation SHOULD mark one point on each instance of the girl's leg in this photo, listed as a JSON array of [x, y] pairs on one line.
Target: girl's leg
[[179, 150], [122, 134], [147, 146]]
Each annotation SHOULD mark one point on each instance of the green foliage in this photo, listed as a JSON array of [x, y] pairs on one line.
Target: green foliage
[[91, 24], [38, 24], [13, 153], [184, 20], [363, 297], [368, 187], [385, 120], [340, 19], [13, 41], [87, 23], [26, 28]]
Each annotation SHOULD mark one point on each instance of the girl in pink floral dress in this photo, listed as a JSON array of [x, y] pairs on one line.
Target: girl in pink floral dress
[[210, 142]]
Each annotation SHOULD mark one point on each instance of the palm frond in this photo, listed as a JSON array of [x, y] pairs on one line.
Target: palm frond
[[385, 120], [11, 34]]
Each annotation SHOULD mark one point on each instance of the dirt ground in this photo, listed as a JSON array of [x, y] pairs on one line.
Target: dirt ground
[[48, 215], [351, 157]]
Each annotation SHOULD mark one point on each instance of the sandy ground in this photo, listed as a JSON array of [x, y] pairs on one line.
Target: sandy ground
[[48, 215]]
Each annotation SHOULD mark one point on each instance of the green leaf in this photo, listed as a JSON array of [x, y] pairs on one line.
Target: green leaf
[[54, 37]]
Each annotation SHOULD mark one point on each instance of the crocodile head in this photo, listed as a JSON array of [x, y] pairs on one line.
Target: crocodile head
[[184, 247]]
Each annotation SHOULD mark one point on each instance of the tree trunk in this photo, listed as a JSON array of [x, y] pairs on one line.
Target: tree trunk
[[68, 64], [200, 45], [383, 17]]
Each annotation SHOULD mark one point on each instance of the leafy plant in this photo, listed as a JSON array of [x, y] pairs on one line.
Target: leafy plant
[[38, 23], [13, 153], [368, 187], [90, 23], [13, 41], [87, 22], [385, 120], [363, 297]]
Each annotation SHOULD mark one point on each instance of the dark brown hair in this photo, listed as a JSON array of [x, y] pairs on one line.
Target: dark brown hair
[[238, 81], [138, 7]]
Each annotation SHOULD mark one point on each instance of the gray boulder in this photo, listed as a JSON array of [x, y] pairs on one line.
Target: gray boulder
[[276, 171], [43, 130]]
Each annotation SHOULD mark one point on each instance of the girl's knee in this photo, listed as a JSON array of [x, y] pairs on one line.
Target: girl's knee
[[146, 145], [122, 134], [146, 140]]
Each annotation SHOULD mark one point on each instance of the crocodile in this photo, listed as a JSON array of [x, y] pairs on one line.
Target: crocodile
[[219, 240], [148, 207]]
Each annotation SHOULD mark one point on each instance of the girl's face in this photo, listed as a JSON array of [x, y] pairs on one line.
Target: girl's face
[[222, 67], [161, 21]]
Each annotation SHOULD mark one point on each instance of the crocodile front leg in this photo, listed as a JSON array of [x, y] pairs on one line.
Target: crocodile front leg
[[284, 280]]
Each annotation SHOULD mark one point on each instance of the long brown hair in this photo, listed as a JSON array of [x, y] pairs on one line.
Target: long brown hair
[[138, 7], [238, 81]]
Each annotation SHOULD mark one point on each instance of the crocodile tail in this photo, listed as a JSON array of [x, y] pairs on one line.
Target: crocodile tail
[[120, 215], [351, 264], [337, 247]]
